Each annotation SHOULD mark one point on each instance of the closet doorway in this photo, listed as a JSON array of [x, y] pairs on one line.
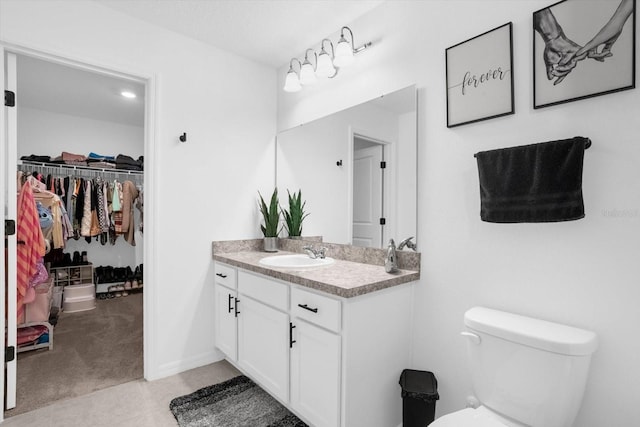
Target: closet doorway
[[95, 137]]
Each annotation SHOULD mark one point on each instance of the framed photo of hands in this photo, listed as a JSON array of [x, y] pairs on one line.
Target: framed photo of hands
[[583, 49]]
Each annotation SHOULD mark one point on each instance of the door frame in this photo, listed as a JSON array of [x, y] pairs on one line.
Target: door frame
[[3, 138], [150, 81], [375, 152], [389, 181], [10, 304]]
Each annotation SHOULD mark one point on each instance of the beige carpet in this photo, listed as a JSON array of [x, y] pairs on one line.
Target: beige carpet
[[92, 350]]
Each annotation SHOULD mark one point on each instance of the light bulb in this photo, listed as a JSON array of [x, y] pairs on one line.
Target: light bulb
[[307, 73], [344, 53], [325, 65], [291, 83]]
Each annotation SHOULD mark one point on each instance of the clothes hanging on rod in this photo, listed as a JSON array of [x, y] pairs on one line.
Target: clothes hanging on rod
[[91, 204]]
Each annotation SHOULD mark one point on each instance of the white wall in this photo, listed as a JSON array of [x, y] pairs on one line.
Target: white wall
[[48, 133], [584, 273], [196, 94]]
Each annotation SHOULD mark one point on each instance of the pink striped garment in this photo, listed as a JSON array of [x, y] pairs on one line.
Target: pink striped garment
[[31, 245]]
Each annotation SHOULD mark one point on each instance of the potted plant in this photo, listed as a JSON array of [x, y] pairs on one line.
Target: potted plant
[[271, 217], [295, 215]]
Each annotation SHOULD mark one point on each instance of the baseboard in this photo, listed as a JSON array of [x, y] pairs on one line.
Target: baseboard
[[176, 367]]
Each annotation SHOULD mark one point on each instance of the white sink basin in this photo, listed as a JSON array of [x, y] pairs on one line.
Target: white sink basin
[[295, 261]]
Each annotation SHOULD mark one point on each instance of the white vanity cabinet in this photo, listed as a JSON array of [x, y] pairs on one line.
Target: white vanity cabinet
[[333, 361], [263, 339], [226, 328], [316, 357]]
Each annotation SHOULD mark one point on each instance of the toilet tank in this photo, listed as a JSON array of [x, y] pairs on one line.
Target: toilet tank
[[529, 370]]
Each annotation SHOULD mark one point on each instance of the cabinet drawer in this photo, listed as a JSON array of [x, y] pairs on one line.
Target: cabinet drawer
[[226, 275], [318, 309], [264, 290]]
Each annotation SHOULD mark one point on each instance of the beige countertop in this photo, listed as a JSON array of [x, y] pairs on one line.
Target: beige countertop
[[343, 278]]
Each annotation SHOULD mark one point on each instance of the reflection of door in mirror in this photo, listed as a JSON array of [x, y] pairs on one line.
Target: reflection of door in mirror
[[368, 192], [319, 159]]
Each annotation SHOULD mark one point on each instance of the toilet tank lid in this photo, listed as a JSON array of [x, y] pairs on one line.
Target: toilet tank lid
[[541, 334]]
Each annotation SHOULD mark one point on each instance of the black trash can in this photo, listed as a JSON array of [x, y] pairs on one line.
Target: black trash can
[[419, 395]]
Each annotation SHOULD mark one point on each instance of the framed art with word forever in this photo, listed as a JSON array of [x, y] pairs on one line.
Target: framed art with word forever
[[479, 74]]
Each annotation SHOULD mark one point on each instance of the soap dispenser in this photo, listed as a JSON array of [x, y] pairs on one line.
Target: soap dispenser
[[391, 264]]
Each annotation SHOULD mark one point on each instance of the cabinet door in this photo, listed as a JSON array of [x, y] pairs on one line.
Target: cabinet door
[[263, 345], [315, 374], [226, 324]]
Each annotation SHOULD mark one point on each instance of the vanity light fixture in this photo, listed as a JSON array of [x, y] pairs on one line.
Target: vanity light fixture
[[326, 63], [308, 71], [292, 82], [344, 50], [325, 66]]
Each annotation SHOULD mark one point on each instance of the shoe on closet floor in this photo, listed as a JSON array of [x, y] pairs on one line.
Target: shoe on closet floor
[[134, 279], [66, 260], [139, 275], [97, 275]]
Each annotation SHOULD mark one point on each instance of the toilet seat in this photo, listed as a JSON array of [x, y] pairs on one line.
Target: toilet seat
[[467, 418]]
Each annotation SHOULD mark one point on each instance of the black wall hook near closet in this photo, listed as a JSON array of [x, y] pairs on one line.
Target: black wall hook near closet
[[183, 137]]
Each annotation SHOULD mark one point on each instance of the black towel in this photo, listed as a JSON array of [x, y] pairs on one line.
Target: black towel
[[533, 183]]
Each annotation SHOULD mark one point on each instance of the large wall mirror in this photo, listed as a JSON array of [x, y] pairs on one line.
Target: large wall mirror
[[357, 170]]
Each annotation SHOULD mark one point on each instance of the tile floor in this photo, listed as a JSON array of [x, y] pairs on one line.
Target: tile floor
[[134, 404]]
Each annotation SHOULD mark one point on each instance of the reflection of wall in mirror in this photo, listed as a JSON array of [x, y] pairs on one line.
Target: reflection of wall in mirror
[[406, 204], [306, 160]]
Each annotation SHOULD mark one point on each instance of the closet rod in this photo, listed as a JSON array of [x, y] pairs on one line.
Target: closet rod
[[136, 176], [82, 168]]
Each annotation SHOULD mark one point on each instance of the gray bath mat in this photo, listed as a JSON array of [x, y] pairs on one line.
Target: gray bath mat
[[238, 402]]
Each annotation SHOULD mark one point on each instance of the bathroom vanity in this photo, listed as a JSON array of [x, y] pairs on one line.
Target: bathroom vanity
[[328, 342]]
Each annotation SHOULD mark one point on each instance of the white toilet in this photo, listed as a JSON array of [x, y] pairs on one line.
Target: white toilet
[[525, 372]]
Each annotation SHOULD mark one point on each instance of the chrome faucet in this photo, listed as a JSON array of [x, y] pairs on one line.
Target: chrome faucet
[[319, 253], [408, 243]]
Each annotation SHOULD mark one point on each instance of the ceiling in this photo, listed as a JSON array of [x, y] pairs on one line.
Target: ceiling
[[270, 32], [66, 90]]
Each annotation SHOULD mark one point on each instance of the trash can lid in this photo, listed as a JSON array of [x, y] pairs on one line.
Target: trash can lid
[[419, 385]]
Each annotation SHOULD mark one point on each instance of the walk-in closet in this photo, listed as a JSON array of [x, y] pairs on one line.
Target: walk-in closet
[[79, 223]]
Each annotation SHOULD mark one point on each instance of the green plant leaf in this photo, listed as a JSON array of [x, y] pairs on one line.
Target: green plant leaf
[[270, 215], [294, 217]]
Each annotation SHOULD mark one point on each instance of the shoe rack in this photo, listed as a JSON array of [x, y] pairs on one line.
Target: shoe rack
[[72, 274]]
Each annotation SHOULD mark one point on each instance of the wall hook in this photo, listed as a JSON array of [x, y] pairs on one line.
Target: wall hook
[[183, 137], [339, 163]]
